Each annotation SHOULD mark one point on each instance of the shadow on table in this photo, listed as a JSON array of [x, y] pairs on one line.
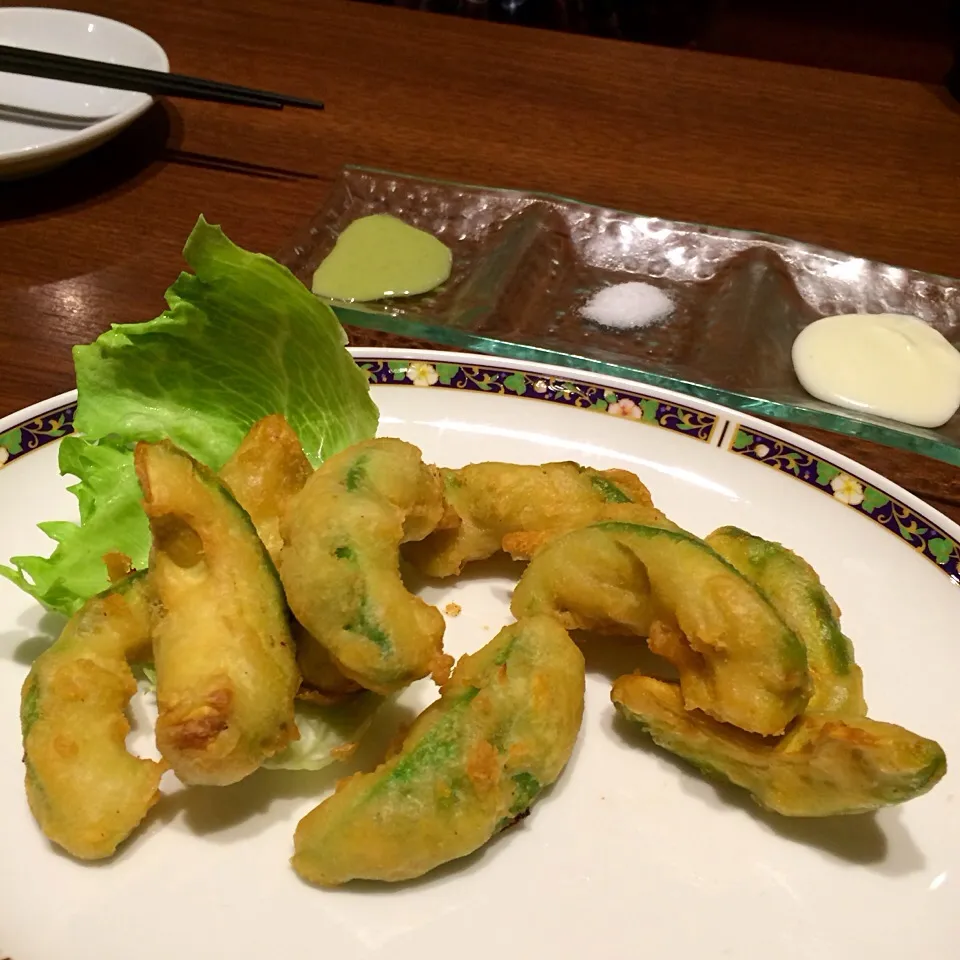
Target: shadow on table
[[206, 161], [134, 156], [121, 164]]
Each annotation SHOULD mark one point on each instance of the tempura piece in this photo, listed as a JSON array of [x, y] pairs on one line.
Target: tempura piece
[[87, 793], [826, 765], [264, 473], [340, 563], [322, 681], [589, 580], [474, 761], [226, 671], [795, 591], [518, 508], [737, 660]]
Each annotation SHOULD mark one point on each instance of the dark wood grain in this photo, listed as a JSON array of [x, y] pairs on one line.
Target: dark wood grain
[[865, 164]]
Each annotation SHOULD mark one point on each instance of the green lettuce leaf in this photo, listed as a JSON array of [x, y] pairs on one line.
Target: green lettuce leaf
[[242, 338], [111, 518], [325, 730]]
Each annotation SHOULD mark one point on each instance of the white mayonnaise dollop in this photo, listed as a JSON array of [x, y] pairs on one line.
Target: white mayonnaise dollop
[[891, 365]]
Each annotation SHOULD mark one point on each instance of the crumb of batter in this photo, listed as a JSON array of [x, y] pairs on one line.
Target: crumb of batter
[[344, 751], [440, 668], [452, 609], [119, 566]]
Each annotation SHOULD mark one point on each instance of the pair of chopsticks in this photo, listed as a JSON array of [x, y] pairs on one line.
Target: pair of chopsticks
[[56, 66]]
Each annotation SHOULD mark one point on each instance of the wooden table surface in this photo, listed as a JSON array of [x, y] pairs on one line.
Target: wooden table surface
[[863, 164]]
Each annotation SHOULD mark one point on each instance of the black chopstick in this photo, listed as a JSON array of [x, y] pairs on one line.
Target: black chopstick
[[56, 66], [62, 67]]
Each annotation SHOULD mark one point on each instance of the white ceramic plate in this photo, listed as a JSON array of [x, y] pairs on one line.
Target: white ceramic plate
[[43, 122], [631, 854]]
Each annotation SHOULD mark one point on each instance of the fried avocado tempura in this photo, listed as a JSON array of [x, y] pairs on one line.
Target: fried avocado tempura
[[264, 474], [824, 766], [589, 580], [322, 681], [87, 793], [737, 660], [475, 760], [795, 591], [340, 563], [226, 669], [518, 508], [832, 760]]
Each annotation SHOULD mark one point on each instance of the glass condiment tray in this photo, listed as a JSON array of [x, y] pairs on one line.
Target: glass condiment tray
[[525, 264]]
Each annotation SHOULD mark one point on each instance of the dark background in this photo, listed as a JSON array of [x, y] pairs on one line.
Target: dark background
[[895, 38]]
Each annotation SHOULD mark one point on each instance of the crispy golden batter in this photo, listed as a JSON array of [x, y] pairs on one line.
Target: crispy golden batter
[[502, 730], [85, 790], [264, 474], [518, 508], [795, 591], [832, 760], [322, 680], [119, 566], [226, 670], [737, 660], [340, 562], [825, 765], [589, 580]]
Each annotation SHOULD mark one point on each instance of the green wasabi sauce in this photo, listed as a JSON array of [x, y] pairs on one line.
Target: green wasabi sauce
[[380, 256]]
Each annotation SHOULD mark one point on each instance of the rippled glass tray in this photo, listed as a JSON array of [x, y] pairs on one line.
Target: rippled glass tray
[[524, 264]]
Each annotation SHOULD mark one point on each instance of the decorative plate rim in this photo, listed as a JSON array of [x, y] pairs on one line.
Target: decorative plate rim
[[919, 525]]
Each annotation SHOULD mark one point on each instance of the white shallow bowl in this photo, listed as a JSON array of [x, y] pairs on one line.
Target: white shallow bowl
[[631, 854], [44, 123]]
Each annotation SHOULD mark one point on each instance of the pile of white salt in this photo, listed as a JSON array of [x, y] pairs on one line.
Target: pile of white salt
[[628, 306]]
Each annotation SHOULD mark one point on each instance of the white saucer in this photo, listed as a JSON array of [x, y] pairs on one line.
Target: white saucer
[[44, 123]]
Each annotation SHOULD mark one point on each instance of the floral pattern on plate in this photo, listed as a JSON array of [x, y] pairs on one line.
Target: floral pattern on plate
[[575, 393], [856, 493], [30, 435]]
